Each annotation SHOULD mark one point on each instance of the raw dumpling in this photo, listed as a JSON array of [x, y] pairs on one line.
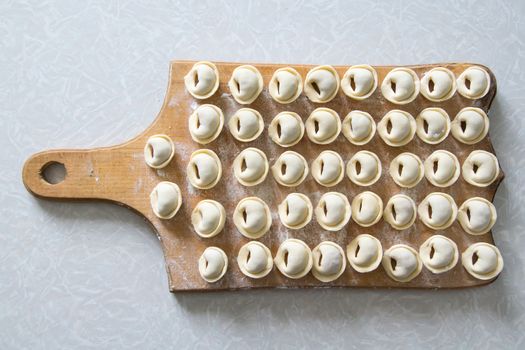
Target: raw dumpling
[[255, 260], [204, 169], [364, 253], [397, 128], [328, 169], [290, 169], [359, 82], [482, 260], [286, 129], [400, 212], [477, 215], [329, 261], [252, 217], [159, 151], [402, 263], [294, 258], [251, 166], [367, 208], [246, 124], [295, 211], [438, 84], [165, 199], [439, 254], [321, 84], [333, 211], [400, 86], [359, 127], [474, 83], [208, 218], [202, 81], [407, 170], [364, 168], [432, 125], [438, 210], [323, 126], [286, 85], [205, 124], [213, 264], [442, 168], [470, 126], [246, 83], [481, 168]]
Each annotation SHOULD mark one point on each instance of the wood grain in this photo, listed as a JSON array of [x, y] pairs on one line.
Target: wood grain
[[119, 174]]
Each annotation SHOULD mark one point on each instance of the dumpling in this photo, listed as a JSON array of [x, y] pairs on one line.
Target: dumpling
[[246, 124], [474, 83], [286, 129], [202, 81], [359, 127], [286, 85], [481, 168], [367, 208], [295, 211], [246, 83], [333, 211], [402, 263], [252, 217], [323, 126], [400, 86], [159, 151], [397, 128], [364, 168], [204, 169], [213, 264], [208, 218], [251, 166], [294, 258], [255, 260], [470, 126], [439, 254], [321, 84], [165, 199], [205, 123], [477, 215], [438, 210], [400, 212], [364, 253], [359, 82], [328, 169], [290, 169], [482, 261], [442, 168], [407, 170], [438, 84], [329, 261], [433, 125]]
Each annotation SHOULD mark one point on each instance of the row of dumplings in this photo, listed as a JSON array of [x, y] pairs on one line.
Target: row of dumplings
[[327, 262], [400, 86], [251, 167], [441, 168], [252, 216], [323, 126]]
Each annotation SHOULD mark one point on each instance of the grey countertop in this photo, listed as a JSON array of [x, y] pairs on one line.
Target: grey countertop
[[91, 275]]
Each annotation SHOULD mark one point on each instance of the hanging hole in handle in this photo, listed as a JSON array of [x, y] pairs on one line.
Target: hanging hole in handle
[[53, 173]]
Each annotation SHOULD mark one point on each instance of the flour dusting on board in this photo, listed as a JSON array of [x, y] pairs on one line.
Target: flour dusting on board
[[182, 246]]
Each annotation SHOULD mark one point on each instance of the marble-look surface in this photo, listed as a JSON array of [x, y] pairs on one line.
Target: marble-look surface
[[86, 74]]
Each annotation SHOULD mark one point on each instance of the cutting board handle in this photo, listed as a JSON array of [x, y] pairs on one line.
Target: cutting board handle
[[86, 174]]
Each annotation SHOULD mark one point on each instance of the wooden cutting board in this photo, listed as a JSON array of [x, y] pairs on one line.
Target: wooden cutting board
[[120, 175]]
